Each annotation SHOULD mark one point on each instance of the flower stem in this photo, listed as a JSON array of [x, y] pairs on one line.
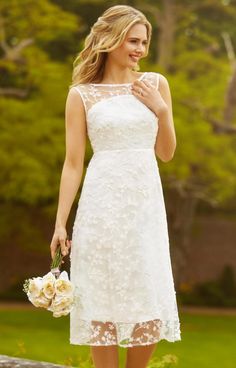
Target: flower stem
[[56, 262]]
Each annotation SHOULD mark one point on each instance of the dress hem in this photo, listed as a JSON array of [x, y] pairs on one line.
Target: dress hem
[[173, 335], [74, 342]]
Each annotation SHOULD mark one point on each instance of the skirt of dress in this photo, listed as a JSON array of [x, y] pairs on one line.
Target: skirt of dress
[[120, 260]]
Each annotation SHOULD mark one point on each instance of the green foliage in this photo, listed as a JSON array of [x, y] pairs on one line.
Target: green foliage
[[227, 281], [167, 361], [32, 144], [220, 292], [203, 161]]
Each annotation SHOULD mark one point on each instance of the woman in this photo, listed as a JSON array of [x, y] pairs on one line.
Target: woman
[[120, 261]]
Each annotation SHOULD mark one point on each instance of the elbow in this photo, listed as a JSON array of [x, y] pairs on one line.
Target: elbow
[[167, 156], [164, 157], [74, 164]]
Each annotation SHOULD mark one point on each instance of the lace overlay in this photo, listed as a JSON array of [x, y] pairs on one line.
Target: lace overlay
[[120, 260]]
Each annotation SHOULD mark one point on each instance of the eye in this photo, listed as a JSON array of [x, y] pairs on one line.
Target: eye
[[135, 41]]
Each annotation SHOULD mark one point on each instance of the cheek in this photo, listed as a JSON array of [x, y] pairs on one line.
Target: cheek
[[126, 48], [115, 54], [123, 51], [129, 47]]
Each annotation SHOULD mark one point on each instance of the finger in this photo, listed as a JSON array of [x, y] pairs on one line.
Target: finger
[[144, 85], [68, 244], [53, 247], [138, 94], [63, 246], [52, 254], [141, 91], [147, 84]]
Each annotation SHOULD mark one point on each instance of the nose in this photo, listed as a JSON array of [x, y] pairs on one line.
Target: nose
[[140, 49]]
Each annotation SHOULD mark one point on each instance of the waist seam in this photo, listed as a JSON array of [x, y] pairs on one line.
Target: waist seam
[[125, 149]]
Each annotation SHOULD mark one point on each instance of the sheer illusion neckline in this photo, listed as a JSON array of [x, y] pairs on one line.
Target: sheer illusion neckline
[[117, 84]]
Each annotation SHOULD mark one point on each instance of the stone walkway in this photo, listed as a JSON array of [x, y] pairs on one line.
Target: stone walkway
[[13, 362]]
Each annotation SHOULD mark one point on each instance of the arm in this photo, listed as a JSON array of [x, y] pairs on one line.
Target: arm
[[166, 139], [73, 166], [159, 101]]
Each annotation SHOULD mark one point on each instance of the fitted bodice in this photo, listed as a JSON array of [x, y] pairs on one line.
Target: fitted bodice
[[116, 119]]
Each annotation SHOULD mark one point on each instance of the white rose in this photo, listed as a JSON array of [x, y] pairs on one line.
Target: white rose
[[49, 276], [62, 312], [63, 286], [64, 276], [35, 287], [61, 306], [48, 285], [40, 301], [59, 303]]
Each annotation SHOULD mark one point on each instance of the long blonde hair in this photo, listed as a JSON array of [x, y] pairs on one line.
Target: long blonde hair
[[105, 35]]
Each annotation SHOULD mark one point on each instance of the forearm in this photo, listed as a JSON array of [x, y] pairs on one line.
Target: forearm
[[69, 185], [166, 139]]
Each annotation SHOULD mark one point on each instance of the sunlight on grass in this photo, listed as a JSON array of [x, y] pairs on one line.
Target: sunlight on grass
[[207, 341]]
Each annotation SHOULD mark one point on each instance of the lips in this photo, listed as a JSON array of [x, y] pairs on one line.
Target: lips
[[134, 57]]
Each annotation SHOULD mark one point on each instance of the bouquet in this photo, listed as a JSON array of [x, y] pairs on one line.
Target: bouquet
[[53, 291]]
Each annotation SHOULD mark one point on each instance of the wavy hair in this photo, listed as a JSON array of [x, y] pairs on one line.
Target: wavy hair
[[107, 33]]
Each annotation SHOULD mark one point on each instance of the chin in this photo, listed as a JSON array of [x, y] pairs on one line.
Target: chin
[[133, 64]]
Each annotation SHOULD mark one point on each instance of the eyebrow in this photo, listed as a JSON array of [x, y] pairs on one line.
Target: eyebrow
[[136, 38]]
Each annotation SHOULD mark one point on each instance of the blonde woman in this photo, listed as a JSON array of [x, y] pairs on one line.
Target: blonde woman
[[120, 260]]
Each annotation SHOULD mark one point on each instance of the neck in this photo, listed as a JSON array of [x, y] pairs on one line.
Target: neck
[[117, 74]]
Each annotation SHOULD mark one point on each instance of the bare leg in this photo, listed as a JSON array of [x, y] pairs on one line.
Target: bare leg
[[138, 356], [105, 356]]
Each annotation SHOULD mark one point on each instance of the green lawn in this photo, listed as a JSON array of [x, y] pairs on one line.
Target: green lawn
[[207, 341]]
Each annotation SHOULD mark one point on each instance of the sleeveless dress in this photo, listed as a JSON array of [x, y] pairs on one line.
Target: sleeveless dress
[[120, 262]]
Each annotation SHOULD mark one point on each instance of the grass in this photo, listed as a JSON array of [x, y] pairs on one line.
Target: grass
[[208, 341]]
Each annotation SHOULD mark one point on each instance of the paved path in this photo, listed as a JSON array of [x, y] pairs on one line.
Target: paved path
[[14, 362]]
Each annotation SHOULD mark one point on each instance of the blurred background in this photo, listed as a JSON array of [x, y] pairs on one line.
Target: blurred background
[[194, 46]]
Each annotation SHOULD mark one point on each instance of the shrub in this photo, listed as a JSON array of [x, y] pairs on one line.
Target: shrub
[[220, 292]]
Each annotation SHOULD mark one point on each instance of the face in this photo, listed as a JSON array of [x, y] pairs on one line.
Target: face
[[133, 47]]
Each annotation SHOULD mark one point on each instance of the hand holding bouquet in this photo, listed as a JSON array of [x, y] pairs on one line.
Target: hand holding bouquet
[[54, 291]]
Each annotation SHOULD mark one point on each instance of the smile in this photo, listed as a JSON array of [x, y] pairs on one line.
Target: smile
[[134, 58]]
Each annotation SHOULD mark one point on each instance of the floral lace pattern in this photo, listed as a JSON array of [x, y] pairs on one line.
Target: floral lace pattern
[[120, 259]]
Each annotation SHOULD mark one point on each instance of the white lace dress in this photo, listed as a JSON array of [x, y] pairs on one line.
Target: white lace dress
[[120, 260]]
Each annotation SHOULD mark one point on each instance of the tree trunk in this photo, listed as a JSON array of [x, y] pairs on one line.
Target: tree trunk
[[166, 38], [181, 210]]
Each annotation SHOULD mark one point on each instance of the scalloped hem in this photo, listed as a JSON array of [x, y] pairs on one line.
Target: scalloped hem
[[74, 342], [125, 334]]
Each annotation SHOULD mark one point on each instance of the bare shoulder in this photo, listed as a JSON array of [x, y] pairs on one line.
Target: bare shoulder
[[163, 81], [163, 86], [74, 93], [75, 110], [74, 99]]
